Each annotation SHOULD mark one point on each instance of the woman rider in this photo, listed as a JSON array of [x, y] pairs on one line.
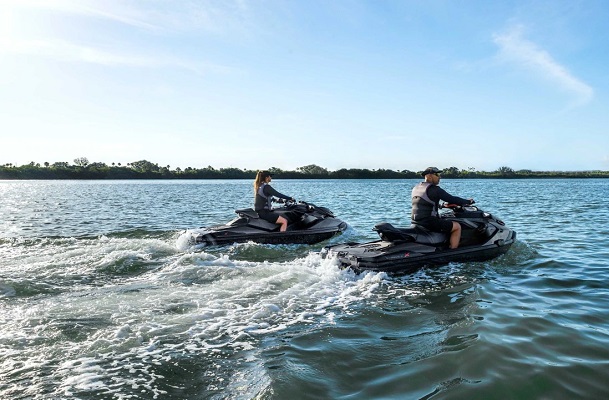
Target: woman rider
[[263, 195]]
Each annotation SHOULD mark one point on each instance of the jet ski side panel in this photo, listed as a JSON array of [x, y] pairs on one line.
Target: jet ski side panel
[[407, 257], [288, 237]]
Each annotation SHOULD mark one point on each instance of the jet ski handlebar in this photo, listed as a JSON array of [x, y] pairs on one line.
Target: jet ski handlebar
[[287, 202], [457, 206], [290, 203]]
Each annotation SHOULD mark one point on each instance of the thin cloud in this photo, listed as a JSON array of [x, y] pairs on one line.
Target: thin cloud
[[69, 52], [171, 18], [124, 19], [12, 41], [218, 16], [123, 15], [513, 48], [66, 51]]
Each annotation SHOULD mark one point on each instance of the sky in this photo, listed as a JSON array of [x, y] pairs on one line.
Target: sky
[[397, 85]]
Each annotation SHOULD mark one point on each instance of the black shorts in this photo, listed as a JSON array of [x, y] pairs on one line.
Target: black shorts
[[268, 215], [437, 224]]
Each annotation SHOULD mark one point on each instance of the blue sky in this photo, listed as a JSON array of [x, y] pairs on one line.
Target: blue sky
[[341, 84]]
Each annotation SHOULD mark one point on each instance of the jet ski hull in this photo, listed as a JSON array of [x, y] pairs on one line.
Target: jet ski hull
[[404, 250], [309, 224], [222, 237]]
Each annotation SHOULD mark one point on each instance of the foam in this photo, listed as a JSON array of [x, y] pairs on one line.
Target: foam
[[113, 330]]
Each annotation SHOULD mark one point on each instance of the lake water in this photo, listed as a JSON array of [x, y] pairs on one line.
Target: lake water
[[102, 298]]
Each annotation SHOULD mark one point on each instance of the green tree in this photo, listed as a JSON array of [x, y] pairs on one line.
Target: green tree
[[98, 165], [145, 166], [81, 161], [313, 170], [505, 171], [451, 172]]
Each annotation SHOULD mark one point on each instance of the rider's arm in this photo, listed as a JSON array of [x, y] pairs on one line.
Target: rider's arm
[[449, 198], [269, 191]]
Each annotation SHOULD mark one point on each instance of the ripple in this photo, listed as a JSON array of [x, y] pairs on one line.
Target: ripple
[[98, 301]]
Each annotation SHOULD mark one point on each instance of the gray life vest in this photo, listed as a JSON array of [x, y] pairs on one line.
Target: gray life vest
[[262, 201], [422, 205]]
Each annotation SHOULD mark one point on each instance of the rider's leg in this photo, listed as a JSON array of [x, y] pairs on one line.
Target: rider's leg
[[455, 235], [284, 224]]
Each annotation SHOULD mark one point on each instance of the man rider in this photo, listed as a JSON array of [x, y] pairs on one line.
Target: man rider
[[425, 200]]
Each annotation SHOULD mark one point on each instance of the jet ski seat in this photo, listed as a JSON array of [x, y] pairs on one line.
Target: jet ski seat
[[414, 233], [247, 212]]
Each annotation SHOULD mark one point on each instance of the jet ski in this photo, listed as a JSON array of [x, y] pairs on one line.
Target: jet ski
[[402, 250], [307, 224]]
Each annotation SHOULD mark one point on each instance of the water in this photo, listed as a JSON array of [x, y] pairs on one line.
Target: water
[[102, 298]]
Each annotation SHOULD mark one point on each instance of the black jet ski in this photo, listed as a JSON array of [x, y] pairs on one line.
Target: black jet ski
[[402, 250], [307, 224]]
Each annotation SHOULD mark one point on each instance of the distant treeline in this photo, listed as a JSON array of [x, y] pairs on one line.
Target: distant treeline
[[83, 169]]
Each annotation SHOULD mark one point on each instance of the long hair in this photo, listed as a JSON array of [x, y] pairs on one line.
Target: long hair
[[258, 182]]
